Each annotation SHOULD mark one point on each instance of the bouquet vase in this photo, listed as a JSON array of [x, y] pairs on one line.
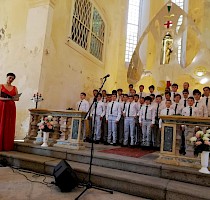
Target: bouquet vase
[[45, 139], [204, 162]]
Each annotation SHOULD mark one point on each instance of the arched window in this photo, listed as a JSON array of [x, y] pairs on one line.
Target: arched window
[[136, 19], [183, 5], [132, 28], [88, 28]]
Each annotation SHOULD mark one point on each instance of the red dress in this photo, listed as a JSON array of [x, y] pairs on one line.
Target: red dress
[[7, 121]]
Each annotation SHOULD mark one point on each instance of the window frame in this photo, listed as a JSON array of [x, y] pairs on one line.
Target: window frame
[[72, 44]]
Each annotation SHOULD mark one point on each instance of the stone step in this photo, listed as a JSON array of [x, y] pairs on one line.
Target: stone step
[[118, 180], [145, 165]]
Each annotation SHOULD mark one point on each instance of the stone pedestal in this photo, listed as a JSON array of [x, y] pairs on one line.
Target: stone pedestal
[[69, 128], [171, 140]]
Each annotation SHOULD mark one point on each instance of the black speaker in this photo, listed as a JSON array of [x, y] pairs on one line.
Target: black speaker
[[65, 178]]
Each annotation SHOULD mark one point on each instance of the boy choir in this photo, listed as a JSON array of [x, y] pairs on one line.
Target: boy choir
[[134, 119]]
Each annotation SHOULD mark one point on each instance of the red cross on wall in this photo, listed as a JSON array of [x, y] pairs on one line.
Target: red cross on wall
[[168, 24]]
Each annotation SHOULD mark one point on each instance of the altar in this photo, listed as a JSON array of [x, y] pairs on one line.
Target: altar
[[176, 150], [68, 128]]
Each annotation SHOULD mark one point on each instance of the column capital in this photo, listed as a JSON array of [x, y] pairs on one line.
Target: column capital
[[36, 3]]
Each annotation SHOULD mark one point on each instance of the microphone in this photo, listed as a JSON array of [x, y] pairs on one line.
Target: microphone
[[108, 75]]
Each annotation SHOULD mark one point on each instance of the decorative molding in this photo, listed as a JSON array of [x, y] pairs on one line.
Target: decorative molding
[[37, 3]]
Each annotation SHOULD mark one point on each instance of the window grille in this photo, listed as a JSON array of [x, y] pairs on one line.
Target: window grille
[[88, 28]]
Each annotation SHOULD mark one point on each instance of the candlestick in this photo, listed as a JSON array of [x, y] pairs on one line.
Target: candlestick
[[37, 98]]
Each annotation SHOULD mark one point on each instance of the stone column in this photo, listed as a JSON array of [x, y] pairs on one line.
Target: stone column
[[38, 31]]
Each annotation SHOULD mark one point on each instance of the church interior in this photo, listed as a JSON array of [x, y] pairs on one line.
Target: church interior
[[59, 49]]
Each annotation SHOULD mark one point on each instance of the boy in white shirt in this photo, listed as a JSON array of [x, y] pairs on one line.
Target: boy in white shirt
[[83, 104], [113, 114], [141, 91], [152, 99], [100, 112], [166, 111], [130, 88], [119, 95], [147, 121], [190, 110], [174, 91], [167, 96], [152, 90], [206, 98], [183, 100], [103, 96], [121, 122], [138, 131], [202, 110], [130, 113], [156, 131], [104, 123], [186, 86], [188, 132], [176, 105]]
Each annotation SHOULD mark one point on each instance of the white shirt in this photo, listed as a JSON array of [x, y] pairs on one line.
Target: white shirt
[[122, 106], [208, 106], [140, 106], [182, 102], [82, 105], [158, 108], [165, 111], [150, 115], [131, 109], [142, 94], [177, 109], [119, 99], [186, 111], [153, 103], [113, 106], [103, 99], [202, 109], [105, 104], [100, 109]]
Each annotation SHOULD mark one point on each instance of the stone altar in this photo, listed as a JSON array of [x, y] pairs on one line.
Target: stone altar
[[171, 139], [68, 131]]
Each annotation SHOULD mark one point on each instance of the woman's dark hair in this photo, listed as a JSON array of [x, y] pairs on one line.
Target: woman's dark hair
[[11, 74]]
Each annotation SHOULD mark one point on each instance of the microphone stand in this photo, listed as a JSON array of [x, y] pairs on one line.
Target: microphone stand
[[89, 184]]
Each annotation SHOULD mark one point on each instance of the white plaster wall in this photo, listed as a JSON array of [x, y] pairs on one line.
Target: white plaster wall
[[68, 70], [21, 52]]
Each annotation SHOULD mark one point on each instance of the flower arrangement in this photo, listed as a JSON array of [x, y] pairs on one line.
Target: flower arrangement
[[201, 141], [46, 124]]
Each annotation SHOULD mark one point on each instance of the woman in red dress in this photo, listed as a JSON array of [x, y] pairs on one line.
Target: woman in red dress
[[7, 113]]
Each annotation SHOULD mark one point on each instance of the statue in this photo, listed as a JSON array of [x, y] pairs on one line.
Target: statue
[[166, 49]]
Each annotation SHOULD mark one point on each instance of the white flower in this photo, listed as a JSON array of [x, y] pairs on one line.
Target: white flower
[[200, 133], [49, 117], [208, 131], [205, 138], [207, 135], [193, 139]]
